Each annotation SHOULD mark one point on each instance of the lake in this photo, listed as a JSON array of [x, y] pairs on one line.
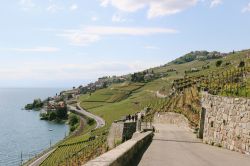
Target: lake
[[22, 131]]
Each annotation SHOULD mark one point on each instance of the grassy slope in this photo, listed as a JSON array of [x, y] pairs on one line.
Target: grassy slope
[[119, 100]]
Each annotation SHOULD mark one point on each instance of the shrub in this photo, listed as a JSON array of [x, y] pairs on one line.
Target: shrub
[[61, 113], [90, 121], [73, 120], [242, 64], [37, 104], [72, 128], [29, 107], [52, 116], [218, 63]]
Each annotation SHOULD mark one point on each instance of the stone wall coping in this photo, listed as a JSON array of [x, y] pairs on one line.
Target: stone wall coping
[[227, 97], [113, 155]]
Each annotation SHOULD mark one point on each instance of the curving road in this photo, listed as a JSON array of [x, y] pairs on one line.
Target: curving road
[[99, 123], [176, 146]]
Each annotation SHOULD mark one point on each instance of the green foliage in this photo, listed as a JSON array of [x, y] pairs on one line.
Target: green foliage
[[197, 55], [62, 113], [44, 116], [242, 64], [37, 104], [29, 106], [138, 77], [90, 121], [218, 63], [73, 120], [52, 116]]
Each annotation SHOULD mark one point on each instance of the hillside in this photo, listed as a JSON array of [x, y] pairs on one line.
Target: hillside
[[198, 55], [173, 87]]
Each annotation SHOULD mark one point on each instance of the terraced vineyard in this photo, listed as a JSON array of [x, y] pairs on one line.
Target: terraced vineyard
[[77, 151], [230, 82], [182, 91]]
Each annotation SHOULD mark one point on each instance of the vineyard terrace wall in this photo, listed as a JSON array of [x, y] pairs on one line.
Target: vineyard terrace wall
[[226, 122], [120, 132]]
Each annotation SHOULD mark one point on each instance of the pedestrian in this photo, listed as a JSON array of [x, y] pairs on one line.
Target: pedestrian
[[136, 117], [142, 117]]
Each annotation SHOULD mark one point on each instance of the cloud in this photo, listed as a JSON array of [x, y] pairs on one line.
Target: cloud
[[246, 9], [151, 47], [34, 49], [215, 3], [156, 8], [73, 7], [91, 34], [117, 17], [53, 8], [94, 18], [79, 38], [27, 4]]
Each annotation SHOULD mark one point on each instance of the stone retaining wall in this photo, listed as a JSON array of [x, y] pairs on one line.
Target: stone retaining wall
[[120, 132], [227, 122], [171, 118], [125, 153]]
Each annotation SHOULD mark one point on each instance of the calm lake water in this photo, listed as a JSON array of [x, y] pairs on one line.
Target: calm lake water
[[23, 131]]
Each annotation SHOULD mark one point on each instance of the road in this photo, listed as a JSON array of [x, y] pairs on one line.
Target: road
[[175, 146], [99, 123], [159, 95], [38, 161]]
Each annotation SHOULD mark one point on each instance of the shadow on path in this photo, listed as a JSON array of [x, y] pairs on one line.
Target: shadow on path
[[171, 140]]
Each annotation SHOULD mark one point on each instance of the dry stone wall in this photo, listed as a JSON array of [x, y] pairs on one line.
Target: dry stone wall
[[227, 122], [120, 132], [171, 118]]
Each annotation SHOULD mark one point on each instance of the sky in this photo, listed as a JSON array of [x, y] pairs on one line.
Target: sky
[[65, 43]]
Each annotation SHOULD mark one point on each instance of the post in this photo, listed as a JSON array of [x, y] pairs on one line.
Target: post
[[138, 125], [21, 158]]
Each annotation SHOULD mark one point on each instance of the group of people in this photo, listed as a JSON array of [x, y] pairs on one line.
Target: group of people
[[134, 117]]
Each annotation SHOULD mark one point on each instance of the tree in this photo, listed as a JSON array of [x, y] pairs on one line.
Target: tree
[[242, 64], [73, 119], [218, 63], [138, 77], [105, 85], [52, 116], [61, 112], [90, 121]]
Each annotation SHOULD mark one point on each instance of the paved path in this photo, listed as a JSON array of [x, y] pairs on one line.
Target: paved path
[[174, 146], [99, 123]]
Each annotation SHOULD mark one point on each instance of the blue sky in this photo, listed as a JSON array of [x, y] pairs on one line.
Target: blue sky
[[65, 43]]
